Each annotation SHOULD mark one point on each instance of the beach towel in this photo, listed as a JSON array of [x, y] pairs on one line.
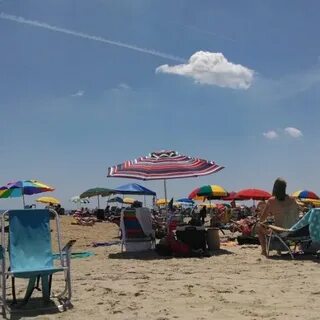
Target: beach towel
[[311, 218], [76, 255], [144, 217]]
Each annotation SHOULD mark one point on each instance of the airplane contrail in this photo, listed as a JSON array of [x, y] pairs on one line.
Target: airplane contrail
[[82, 35]]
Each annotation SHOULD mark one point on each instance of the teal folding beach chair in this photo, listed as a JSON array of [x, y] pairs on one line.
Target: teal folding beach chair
[[28, 254]]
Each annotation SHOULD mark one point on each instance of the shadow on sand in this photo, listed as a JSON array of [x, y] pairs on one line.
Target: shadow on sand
[[297, 257], [153, 255], [35, 307]]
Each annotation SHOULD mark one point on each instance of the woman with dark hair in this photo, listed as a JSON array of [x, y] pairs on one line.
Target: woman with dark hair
[[283, 208]]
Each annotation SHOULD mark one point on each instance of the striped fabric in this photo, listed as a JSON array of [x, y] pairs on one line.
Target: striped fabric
[[164, 165], [132, 225]]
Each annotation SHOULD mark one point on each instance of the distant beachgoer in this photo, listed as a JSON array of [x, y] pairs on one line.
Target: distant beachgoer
[[203, 214], [260, 207], [282, 207]]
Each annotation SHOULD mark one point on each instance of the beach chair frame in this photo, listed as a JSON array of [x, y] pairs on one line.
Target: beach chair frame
[[286, 240], [125, 240], [64, 254]]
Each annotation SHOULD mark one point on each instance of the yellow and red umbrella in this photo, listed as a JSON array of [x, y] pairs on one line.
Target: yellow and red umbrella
[[162, 202], [128, 200], [305, 194]]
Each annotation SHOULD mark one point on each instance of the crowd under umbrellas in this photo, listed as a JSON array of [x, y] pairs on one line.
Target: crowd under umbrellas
[[161, 165]]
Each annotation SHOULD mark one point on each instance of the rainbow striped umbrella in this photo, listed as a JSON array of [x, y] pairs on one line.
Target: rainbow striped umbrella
[[23, 187], [305, 194], [209, 192], [163, 165]]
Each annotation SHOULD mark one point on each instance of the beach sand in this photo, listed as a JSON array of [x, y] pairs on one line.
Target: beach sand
[[236, 283]]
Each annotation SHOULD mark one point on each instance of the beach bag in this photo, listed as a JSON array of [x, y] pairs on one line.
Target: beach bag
[[163, 250], [177, 247]]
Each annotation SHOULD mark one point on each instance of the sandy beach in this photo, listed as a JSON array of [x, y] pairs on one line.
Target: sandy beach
[[235, 283]]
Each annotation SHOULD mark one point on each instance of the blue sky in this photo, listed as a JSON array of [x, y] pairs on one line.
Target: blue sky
[[79, 91]]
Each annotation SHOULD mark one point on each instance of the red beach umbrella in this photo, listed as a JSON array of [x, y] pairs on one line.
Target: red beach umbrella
[[231, 197], [254, 194]]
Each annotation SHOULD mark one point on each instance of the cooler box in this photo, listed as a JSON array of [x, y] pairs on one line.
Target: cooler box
[[193, 236]]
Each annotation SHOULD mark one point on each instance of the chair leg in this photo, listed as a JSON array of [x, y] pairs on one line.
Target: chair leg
[[45, 279], [50, 283], [37, 286], [30, 288], [283, 242], [268, 242], [14, 298]]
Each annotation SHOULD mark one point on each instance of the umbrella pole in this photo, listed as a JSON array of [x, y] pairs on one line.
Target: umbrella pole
[[165, 195], [23, 200], [98, 202]]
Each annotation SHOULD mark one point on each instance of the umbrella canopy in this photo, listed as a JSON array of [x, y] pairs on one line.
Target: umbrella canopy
[[77, 199], [103, 192], [305, 194], [163, 165], [210, 192], [162, 202], [129, 200], [116, 199], [48, 200], [254, 194], [231, 196], [315, 202], [134, 188], [22, 187], [96, 192], [185, 200]]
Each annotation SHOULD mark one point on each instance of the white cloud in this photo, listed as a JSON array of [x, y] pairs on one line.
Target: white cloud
[[79, 93], [124, 86], [271, 135], [293, 132], [83, 35], [213, 69]]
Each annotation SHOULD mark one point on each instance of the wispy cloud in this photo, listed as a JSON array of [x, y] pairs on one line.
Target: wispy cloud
[[121, 87], [124, 86], [79, 93], [293, 132], [213, 69], [290, 131], [271, 135], [82, 35]]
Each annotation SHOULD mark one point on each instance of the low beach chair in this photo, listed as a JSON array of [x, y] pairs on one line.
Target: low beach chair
[[136, 236], [281, 239], [304, 233], [30, 255]]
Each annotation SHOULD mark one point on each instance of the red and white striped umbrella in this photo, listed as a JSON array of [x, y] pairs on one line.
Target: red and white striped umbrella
[[164, 165]]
